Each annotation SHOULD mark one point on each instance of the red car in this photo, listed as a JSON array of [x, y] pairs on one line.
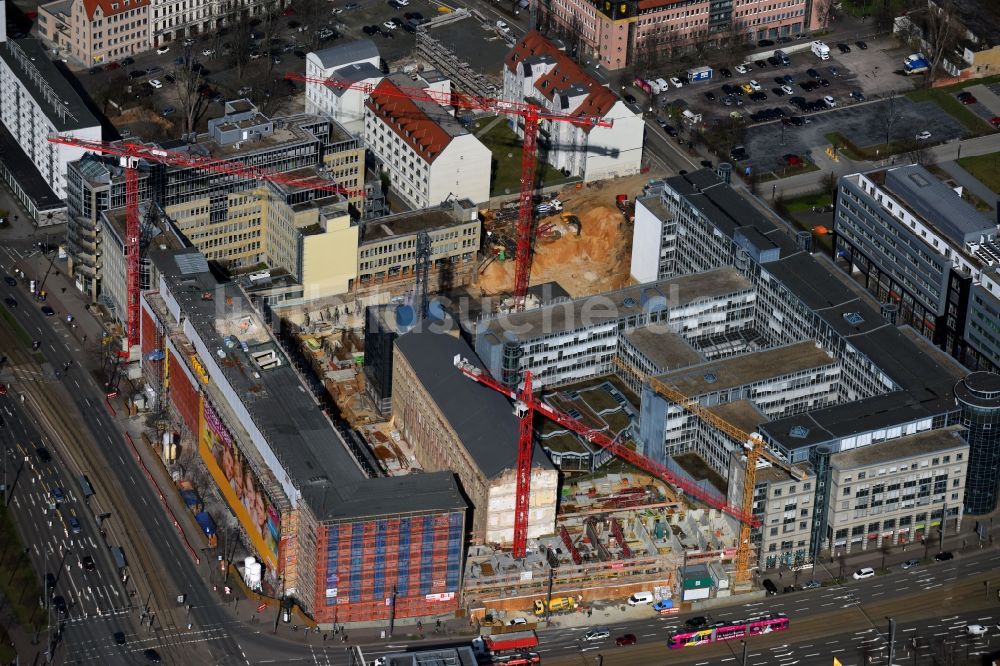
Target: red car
[[968, 100], [995, 122], [112, 65], [793, 160], [627, 639]]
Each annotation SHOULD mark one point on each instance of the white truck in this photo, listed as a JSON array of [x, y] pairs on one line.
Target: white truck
[[820, 50]]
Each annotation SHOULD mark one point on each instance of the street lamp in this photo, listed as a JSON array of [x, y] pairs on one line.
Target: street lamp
[[743, 661]]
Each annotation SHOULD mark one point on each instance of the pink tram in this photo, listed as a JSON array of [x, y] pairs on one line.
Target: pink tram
[[727, 631]]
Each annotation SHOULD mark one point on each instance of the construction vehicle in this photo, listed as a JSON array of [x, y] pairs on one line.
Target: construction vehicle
[[626, 207], [755, 449], [555, 605], [529, 116], [573, 221], [490, 645]]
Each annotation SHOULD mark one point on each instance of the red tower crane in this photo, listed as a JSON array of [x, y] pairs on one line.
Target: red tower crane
[[530, 114], [526, 405], [131, 154]]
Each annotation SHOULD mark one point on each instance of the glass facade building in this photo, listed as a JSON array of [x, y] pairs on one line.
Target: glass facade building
[[979, 398]]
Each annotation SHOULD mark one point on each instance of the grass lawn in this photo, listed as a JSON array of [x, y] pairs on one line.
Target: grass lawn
[[945, 98], [18, 581], [806, 202], [986, 168], [506, 171]]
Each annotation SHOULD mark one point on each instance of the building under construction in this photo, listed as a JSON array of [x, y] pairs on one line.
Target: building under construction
[[348, 548]]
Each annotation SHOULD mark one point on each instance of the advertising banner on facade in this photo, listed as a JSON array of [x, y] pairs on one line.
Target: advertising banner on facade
[[243, 491]]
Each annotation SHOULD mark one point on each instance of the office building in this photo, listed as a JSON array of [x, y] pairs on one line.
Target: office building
[[95, 32], [340, 542], [238, 223], [356, 63], [453, 423], [429, 156], [893, 384], [569, 340], [36, 101], [978, 398], [640, 32], [538, 72], [927, 254]]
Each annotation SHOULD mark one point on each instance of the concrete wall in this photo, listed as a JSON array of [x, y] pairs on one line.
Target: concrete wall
[[541, 511], [329, 259]]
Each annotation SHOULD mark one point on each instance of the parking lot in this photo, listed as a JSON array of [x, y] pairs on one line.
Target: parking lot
[[863, 124]]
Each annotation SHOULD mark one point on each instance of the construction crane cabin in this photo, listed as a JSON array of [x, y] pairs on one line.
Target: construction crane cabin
[[529, 114]]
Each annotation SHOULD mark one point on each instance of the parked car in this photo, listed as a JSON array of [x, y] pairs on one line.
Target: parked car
[[765, 42], [829, 101], [162, 50], [968, 100], [128, 61], [155, 84], [788, 79], [743, 69], [389, 25], [676, 82], [844, 48], [664, 605], [725, 73], [865, 572], [943, 556], [792, 160], [769, 586], [503, 27], [812, 73], [136, 74], [995, 122], [922, 136], [858, 95], [861, 45], [710, 96], [786, 89]]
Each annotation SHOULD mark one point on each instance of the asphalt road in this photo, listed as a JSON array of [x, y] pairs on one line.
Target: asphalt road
[[932, 603], [216, 636]]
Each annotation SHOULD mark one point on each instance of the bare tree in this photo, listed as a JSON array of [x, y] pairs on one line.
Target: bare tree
[[889, 113], [112, 91], [189, 79], [733, 42], [942, 30], [238, 22], [917, 151], [313, 13], [826, 12]]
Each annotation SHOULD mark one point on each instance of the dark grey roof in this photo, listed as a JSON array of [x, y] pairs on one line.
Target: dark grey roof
[[926, 195], [24, 171], [307, 445], [387, 496], [355, 73], [47, 85], [483, 419], [727, 209], [347, 52]]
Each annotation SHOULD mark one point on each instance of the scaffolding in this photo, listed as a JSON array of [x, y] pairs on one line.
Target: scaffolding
[[448, 63]]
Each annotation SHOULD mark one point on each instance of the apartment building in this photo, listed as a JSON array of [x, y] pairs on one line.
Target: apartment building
[[238, 223], [573, 339], [640, 32], [537, 71], [927, 252], [357, 63], [428, 155], [94, 32], [342, 541], [36, 101], [453, 423]]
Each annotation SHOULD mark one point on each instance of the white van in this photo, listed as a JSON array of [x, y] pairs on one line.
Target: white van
[[820, 50], [640, 598]]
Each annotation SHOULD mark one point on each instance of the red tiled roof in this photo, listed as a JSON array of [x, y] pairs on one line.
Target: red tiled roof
[[106, 10], [408, 120], [566, 73]]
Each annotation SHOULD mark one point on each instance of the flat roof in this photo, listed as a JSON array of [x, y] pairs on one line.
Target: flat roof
[[482, 418], [727, 209], [850, 418], [741, 413], [924, 194], [50, 89], [654, 202], [307, 444], [911, 446], [612, 305], [408, 222], [736, 371], [27, 175], [664, 348]]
